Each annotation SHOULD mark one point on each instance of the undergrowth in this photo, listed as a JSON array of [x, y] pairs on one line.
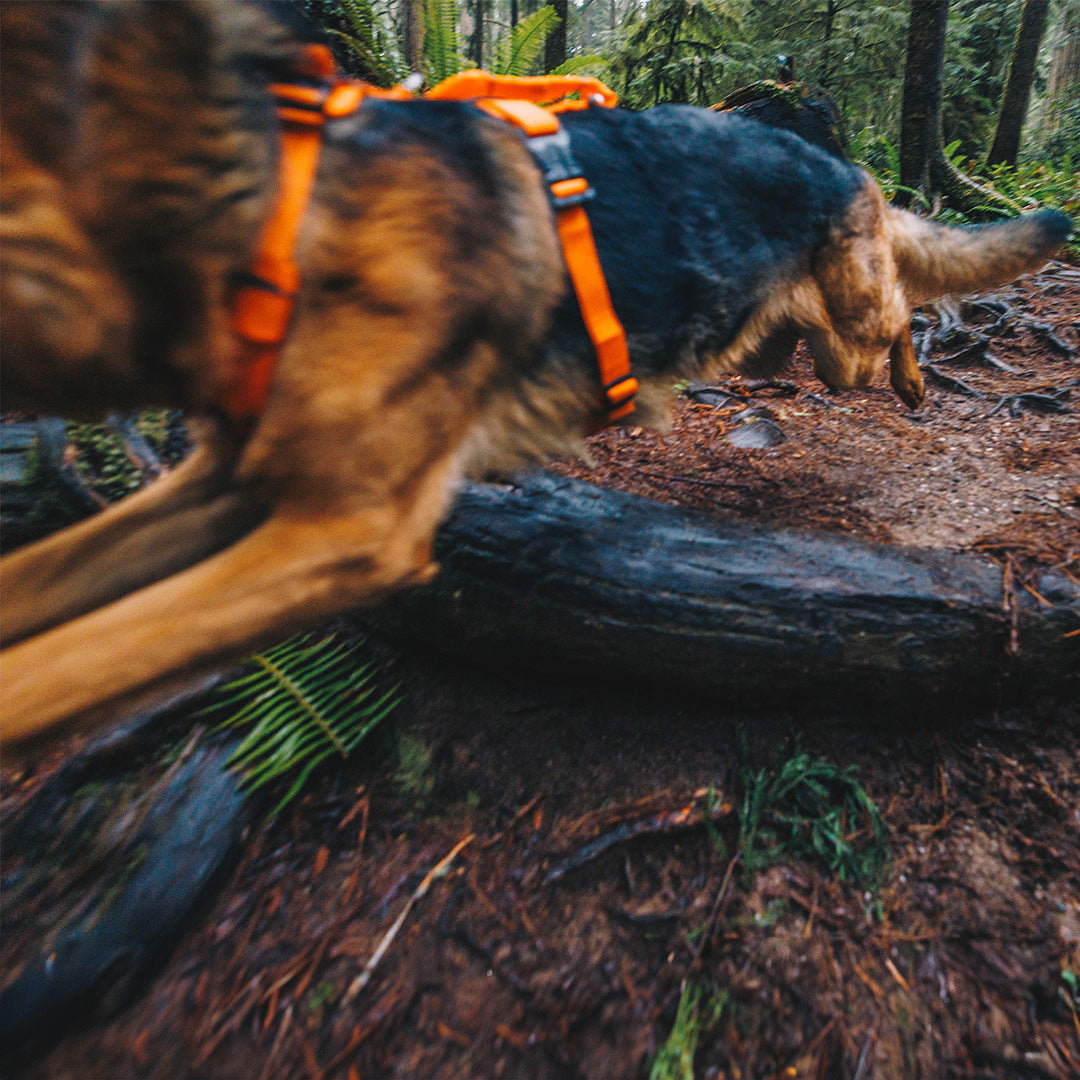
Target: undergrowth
[[1033, 185], [809, 808], [699, 1012], [300, 702]]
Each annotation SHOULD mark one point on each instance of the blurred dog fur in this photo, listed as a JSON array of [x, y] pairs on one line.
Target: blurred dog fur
[[435, 334]]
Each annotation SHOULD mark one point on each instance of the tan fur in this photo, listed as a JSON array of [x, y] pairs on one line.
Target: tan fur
[[137, 163], [853, 305]]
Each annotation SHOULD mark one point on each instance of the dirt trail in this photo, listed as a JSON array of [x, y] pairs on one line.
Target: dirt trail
[[560, 940]]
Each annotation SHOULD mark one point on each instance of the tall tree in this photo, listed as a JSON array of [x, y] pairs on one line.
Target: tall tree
[[478, 33], [413, 34], [1014, 102], [555, 47], [1061, 118], [923, 164], [920, 116]]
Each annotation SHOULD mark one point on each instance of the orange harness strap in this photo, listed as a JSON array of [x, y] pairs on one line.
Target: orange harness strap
[[263, 298], [568, 190]]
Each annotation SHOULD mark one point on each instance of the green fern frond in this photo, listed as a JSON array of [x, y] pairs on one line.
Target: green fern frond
[[303, 701], [516, 52], [442, 49], [576, 64], [366, 40]]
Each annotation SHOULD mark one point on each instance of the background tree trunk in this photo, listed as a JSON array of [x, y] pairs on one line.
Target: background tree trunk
[[555, 46], [1014, 101], [1063, 85], [920, 117], [923, 164], [413, 35], [478, 33]]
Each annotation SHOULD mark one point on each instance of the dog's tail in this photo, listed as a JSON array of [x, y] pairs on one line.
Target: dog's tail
[[934, 259]]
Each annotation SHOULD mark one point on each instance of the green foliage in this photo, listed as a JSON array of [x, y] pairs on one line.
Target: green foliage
[[695, 1017], [1031, 185], [301, 702], [854, 50], [102, 460], [1044, 185], [442, 47], [415, 776], [673, 50], [517, 51], [978, 43], [810, 808], [1058, 140], [363, 42], [1069, 992]]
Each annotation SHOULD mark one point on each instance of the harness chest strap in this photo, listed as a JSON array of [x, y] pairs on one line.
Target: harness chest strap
[[569, 190], [264, 296]]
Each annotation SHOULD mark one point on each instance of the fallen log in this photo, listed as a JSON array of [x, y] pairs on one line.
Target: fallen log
[[107, 865], [556, 574]]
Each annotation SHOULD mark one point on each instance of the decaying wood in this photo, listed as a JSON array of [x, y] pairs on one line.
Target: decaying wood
[[559, 575], [104, 868]]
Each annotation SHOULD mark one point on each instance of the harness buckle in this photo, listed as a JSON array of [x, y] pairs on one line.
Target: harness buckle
[[556, 160]]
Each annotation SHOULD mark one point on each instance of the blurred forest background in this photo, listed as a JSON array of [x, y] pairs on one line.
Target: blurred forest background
[[699, 51]]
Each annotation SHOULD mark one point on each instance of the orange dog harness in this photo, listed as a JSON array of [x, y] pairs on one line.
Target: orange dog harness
[[263, 298]]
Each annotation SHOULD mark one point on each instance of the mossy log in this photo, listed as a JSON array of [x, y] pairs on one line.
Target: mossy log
[[105, 867], [569, 578]]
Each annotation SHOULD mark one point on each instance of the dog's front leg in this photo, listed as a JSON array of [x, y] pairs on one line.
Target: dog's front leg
[[178, 520], [904, 374], [295, 569]]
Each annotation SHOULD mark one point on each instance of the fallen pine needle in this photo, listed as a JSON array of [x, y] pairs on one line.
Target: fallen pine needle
[[895, 973], [1038, 596], [436, 872]]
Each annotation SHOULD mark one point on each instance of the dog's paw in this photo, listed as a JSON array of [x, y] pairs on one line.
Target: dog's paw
[[909, 386]]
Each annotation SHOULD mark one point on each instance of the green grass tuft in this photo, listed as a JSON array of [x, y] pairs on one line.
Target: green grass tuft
[[810, 808], [696, 1016]]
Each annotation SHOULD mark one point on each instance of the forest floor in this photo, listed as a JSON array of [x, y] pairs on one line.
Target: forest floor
[[608, 912]]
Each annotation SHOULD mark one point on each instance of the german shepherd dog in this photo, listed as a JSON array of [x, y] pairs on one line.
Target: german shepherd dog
[[435, 334]]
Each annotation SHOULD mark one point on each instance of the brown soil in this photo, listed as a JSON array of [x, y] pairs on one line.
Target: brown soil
[[506, 969]]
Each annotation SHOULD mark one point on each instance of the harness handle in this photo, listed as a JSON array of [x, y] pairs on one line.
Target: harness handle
[[263, 296], [551, 91]]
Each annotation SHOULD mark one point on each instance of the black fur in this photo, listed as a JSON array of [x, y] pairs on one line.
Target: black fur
[[697, 215]]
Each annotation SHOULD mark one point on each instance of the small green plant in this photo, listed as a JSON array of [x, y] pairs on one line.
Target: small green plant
[[303, 701], [1069, 992], [415, 774], [810, 808], [696, 1015]]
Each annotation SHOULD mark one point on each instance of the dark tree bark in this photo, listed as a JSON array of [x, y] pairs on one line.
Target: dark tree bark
[[923, 165], [478, 33], [921, 104], [413, 34], [1014, 101], [555, 46], [566, 577]]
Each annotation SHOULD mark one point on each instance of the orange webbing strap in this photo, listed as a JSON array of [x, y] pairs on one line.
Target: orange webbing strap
[[264, 296], [605, 330], [551, 91], [568, 190]]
